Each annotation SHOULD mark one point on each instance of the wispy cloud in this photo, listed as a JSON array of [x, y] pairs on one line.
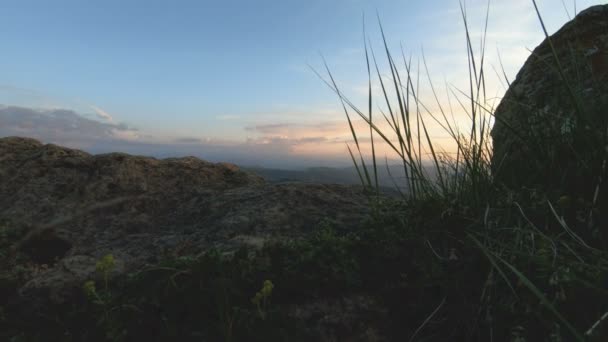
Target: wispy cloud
[[60, 126], [102, 113], [295, 129], [69, 128], [282, 145], [227, 117], [187, 140]]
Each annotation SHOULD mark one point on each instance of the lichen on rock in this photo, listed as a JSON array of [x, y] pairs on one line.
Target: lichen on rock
[[551, 125]]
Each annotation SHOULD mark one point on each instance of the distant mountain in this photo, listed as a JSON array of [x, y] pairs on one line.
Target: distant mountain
[[329, 175]]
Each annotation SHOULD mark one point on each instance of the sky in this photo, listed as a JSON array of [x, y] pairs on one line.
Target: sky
[[231, 80]]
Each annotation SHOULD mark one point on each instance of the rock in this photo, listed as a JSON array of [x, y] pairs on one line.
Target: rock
[[76, 207], [550, 132], [347, 318]]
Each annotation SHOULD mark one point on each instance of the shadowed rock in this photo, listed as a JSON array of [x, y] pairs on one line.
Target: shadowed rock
[[77, 207], [550, 126]]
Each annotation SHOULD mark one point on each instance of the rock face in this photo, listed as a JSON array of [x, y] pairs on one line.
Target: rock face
[[76, 208], [550, 131]]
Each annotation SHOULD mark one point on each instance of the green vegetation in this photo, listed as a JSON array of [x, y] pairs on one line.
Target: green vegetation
[[544, 260], [460, 257], [410, 272]]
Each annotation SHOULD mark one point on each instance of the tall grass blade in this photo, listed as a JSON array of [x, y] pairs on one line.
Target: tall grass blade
[[426, 321], [371, 131], [543, 299], [560, 69]]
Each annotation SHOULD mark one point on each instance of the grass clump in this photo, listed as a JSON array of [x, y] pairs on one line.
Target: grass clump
[[217, 296], [542, 261]]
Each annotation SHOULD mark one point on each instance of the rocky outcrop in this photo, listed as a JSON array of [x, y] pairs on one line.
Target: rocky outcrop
[[551, 124], [74, 208]]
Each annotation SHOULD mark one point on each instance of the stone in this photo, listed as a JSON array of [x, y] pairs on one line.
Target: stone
[[74, 208], [549, 132]]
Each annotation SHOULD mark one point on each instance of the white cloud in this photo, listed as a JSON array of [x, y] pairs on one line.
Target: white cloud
[[102, 113], [227, 117], [123, 134]]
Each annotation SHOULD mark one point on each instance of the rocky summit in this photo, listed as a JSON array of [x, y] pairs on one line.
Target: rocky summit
[[115, 247], [551, 122], [76, 207]]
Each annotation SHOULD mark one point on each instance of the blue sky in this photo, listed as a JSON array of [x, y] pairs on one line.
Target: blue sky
[[234, 73]]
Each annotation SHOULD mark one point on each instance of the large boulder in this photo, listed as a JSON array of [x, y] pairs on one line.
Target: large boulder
[[73, 208], [551, 125]]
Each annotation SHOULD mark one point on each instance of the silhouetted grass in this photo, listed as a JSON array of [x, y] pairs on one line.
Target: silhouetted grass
[[515, 245]]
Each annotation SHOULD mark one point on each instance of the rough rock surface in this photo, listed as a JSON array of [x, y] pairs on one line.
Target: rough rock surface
[[542, 126], [77, 207]]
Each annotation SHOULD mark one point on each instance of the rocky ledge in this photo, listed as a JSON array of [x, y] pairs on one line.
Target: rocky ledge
[[73, 208]]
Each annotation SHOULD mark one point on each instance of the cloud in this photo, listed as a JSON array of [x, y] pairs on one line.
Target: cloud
[[298, 129], [278, 145], [69, 128], [102, 113], [315, 140], [302, 114], [124, 134], [289, 142], [187, 141], [267, 128], [227, 117], [60, 126]]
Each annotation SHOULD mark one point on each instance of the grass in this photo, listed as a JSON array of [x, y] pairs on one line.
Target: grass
[[467, 181], [217, 297], [459, 257]]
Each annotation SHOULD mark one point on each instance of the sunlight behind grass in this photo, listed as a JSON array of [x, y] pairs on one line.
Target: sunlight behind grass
[[464, 179], [408, 117]]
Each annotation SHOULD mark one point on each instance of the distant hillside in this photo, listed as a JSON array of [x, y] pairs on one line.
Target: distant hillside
[[329, 175]]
